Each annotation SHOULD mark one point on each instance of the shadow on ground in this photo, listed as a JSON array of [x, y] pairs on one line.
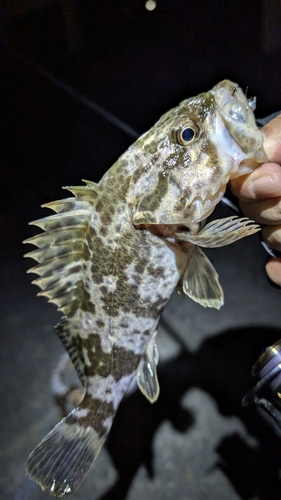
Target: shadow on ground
[[221, 368]]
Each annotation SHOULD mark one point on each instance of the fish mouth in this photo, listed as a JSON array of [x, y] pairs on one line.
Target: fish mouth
[[237, 114]]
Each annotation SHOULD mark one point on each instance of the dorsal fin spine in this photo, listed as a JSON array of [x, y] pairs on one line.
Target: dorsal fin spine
[[60, 257], [62, 250]]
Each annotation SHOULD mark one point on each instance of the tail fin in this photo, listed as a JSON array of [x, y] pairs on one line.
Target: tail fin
[[63, 458]]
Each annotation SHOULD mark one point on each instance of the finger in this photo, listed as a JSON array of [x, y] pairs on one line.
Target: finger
[[272, 139], [273, 270], [272, 236], [264, 182], [263, 212]]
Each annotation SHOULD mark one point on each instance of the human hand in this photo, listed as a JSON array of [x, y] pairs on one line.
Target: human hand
[[260, 195]]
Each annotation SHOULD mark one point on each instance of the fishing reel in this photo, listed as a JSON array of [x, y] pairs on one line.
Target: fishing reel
[[267, 392]]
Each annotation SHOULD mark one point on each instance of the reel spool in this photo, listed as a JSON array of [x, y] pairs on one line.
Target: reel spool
[[267, 392]]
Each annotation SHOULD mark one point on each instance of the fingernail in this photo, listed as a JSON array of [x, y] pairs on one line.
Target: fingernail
[[265, 187]]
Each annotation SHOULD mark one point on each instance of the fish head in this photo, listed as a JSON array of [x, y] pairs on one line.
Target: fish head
[[186, 160]]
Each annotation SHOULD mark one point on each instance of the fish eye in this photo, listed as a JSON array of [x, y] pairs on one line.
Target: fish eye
[[185, 135]]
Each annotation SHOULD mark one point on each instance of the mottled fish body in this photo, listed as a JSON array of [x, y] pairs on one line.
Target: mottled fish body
[[112, 255]]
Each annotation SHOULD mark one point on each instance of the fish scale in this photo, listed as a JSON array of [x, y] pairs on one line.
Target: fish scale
[[112, 255]]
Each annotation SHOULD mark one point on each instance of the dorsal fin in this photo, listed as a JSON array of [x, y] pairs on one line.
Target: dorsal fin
[[62, 251]]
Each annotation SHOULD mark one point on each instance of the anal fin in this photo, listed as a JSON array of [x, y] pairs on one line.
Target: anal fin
[[147, 371]]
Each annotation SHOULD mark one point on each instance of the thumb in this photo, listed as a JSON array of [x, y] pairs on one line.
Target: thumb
[[272, 139]]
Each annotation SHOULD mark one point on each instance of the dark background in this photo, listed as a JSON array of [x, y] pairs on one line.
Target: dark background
[[134, 63], [79, 80]]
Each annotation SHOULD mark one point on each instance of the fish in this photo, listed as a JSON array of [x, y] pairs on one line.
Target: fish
[[113, 252]]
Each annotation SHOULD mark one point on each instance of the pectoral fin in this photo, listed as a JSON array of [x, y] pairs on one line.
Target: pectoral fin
[[147, 371], [200, 280], [221, 232]]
